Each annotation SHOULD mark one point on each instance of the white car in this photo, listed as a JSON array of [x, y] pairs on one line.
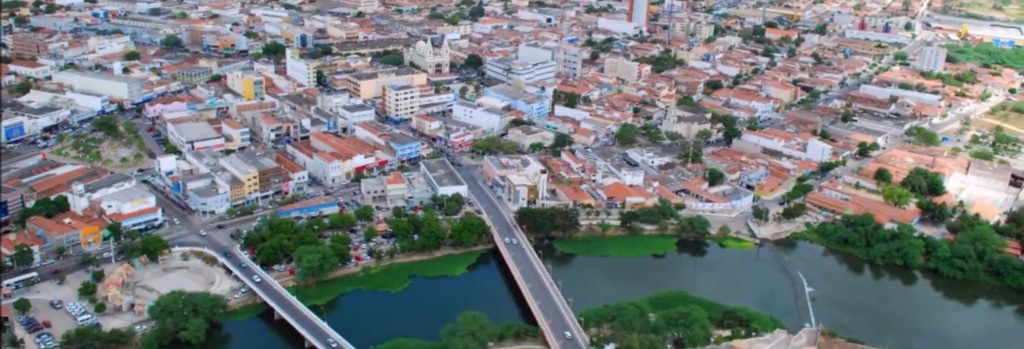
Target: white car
[[515, 242], [332, 343], [256, 278], [508, 241], [202, 233], [140, 328]]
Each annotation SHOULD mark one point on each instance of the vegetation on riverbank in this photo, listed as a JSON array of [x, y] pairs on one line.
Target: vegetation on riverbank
[[388, 278], [976, 251], [617, 246], [676, 316], [244, 312], [732, 242], [470, 330]]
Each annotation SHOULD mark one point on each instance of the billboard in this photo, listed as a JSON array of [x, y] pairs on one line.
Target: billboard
[[14, 132]]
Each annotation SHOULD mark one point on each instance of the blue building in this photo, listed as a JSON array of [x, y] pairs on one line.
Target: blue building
[[534, 106], [407, 149], [320, 206]]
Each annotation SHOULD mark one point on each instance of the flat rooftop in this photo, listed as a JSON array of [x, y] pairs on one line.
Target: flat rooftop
[[196, 131], [442, 172]]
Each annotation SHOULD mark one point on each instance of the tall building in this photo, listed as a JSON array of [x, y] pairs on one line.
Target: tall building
[[299, 69], [637, 12], [29, 45], [569, 60], [248, 84], [932, 59]]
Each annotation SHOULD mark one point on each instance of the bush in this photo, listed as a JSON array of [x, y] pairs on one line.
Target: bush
[[100, 308]]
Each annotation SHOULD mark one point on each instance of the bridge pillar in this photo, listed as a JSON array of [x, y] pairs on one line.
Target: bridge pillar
[[277, 316], [308, 344]]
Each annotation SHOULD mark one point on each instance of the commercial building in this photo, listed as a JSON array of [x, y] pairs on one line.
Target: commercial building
[[194, 136], [508, 69], [626, 70], [369, 85], [487, 113], [519, 180], [932, 59], [120, 199], [118, 87], [400, 102], [390, 190], [333, 160], [250, 85], [20, 121], [535, 106], [405, 148], [431, 55], [29, 45], [302, 70], [316, 207], [442, 177]]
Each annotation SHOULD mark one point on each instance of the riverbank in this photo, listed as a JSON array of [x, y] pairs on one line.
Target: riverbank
[[474, 329], [635, 245]]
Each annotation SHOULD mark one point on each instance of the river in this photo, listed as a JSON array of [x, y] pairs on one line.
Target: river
[[884, 307]]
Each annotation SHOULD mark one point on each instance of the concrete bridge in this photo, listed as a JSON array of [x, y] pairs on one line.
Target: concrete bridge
[[316, 331], [553, 314]]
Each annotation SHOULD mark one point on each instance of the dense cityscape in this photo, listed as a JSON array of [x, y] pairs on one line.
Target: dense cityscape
[[513, 174]]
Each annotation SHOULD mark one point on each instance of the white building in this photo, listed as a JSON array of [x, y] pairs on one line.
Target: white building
[[194, 136], [569, 60], [442, 177], [932, 59], [431, 55], [489, 114], [400, 102], [532, 63], [813, 149], [303, 71], [103, 45], [119, 87], [619, 27], [30, 69], [637, 12]]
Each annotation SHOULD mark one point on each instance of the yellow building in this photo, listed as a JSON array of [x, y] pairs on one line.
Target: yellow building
[[248, 84]]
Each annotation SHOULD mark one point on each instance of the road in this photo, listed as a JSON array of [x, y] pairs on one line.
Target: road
[[555, 317]]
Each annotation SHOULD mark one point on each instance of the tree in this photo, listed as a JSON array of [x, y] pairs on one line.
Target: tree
[[864, 149], [924, 183], [693, 225], [626, 135], [86, 289], [274, 50], [547, 221], [341, 244], [369, 233], [23, 305], [896, 196], [153, 246], [116, 232], [185, 316], [794, 211], [536, 147], [171, 42], [471, 230], [882, 175], [933, 211], [392, 60], [87, 259], [60, 251], [474, 61], [100, 307], [97, 276], [364, 213], [93, 337], [315, 261], [23, 255], [561, 141], [343, 221], [704, 135], [132, 56], [471, 330], [688, 327], [924, 136], [714, 177]]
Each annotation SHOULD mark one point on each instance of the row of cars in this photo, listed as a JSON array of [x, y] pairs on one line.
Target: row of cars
[[44, 340], [82, 316]]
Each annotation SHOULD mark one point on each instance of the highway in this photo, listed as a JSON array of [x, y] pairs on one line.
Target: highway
[[552, 313]]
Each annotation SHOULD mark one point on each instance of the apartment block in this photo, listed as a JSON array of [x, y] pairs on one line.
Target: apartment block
[[370, 85], [248, 84]]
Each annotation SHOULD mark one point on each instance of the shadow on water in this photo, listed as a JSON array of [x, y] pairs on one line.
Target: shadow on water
[[692, 248]]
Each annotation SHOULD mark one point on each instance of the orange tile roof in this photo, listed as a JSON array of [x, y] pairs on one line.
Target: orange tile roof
[[10, 241], [58, 179], [287, 164], [118, 217], [394, 178]]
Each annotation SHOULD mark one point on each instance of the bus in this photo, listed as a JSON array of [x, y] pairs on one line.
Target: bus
[[20, 281]]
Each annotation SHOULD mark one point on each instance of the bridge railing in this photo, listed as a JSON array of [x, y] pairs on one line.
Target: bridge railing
[[238, 272]]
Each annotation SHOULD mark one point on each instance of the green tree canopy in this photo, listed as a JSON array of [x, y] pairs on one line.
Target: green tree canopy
[[471, 330], [314, 261], [185, 316]]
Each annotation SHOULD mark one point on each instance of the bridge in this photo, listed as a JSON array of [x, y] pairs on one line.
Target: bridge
[[553, 314], [315, 330]]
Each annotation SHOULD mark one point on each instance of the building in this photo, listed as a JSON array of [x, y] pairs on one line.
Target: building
[[405, 148], [250, 85], [68, 230], [932, 59], [302, 70], [118, 87], [316, 207], [487, 113], [362, 5], [637, 12], [236, 136], [10, 242], [443, 178], [431, 55], [370, 85], [29, 45], [535, 106], [626, 70], [400, 102], [194, 136], [390, 190], [120, 199], [569, 60], [519, 180], [527, 135], [333, 160], [532, 63]]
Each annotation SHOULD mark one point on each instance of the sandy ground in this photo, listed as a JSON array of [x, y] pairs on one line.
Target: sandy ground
[[147, 283]]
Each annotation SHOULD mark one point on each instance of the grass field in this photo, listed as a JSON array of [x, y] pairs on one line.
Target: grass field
[[388, 278], [1009, 115], [731, 242], [618, 246]]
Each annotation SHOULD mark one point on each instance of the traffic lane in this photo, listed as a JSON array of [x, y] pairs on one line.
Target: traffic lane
[[543, 294]]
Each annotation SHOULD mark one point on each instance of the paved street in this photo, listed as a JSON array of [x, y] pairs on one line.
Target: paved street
[[556, 317]]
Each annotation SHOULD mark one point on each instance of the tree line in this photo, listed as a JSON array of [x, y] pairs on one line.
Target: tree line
[[975, 253], [471, 330]]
